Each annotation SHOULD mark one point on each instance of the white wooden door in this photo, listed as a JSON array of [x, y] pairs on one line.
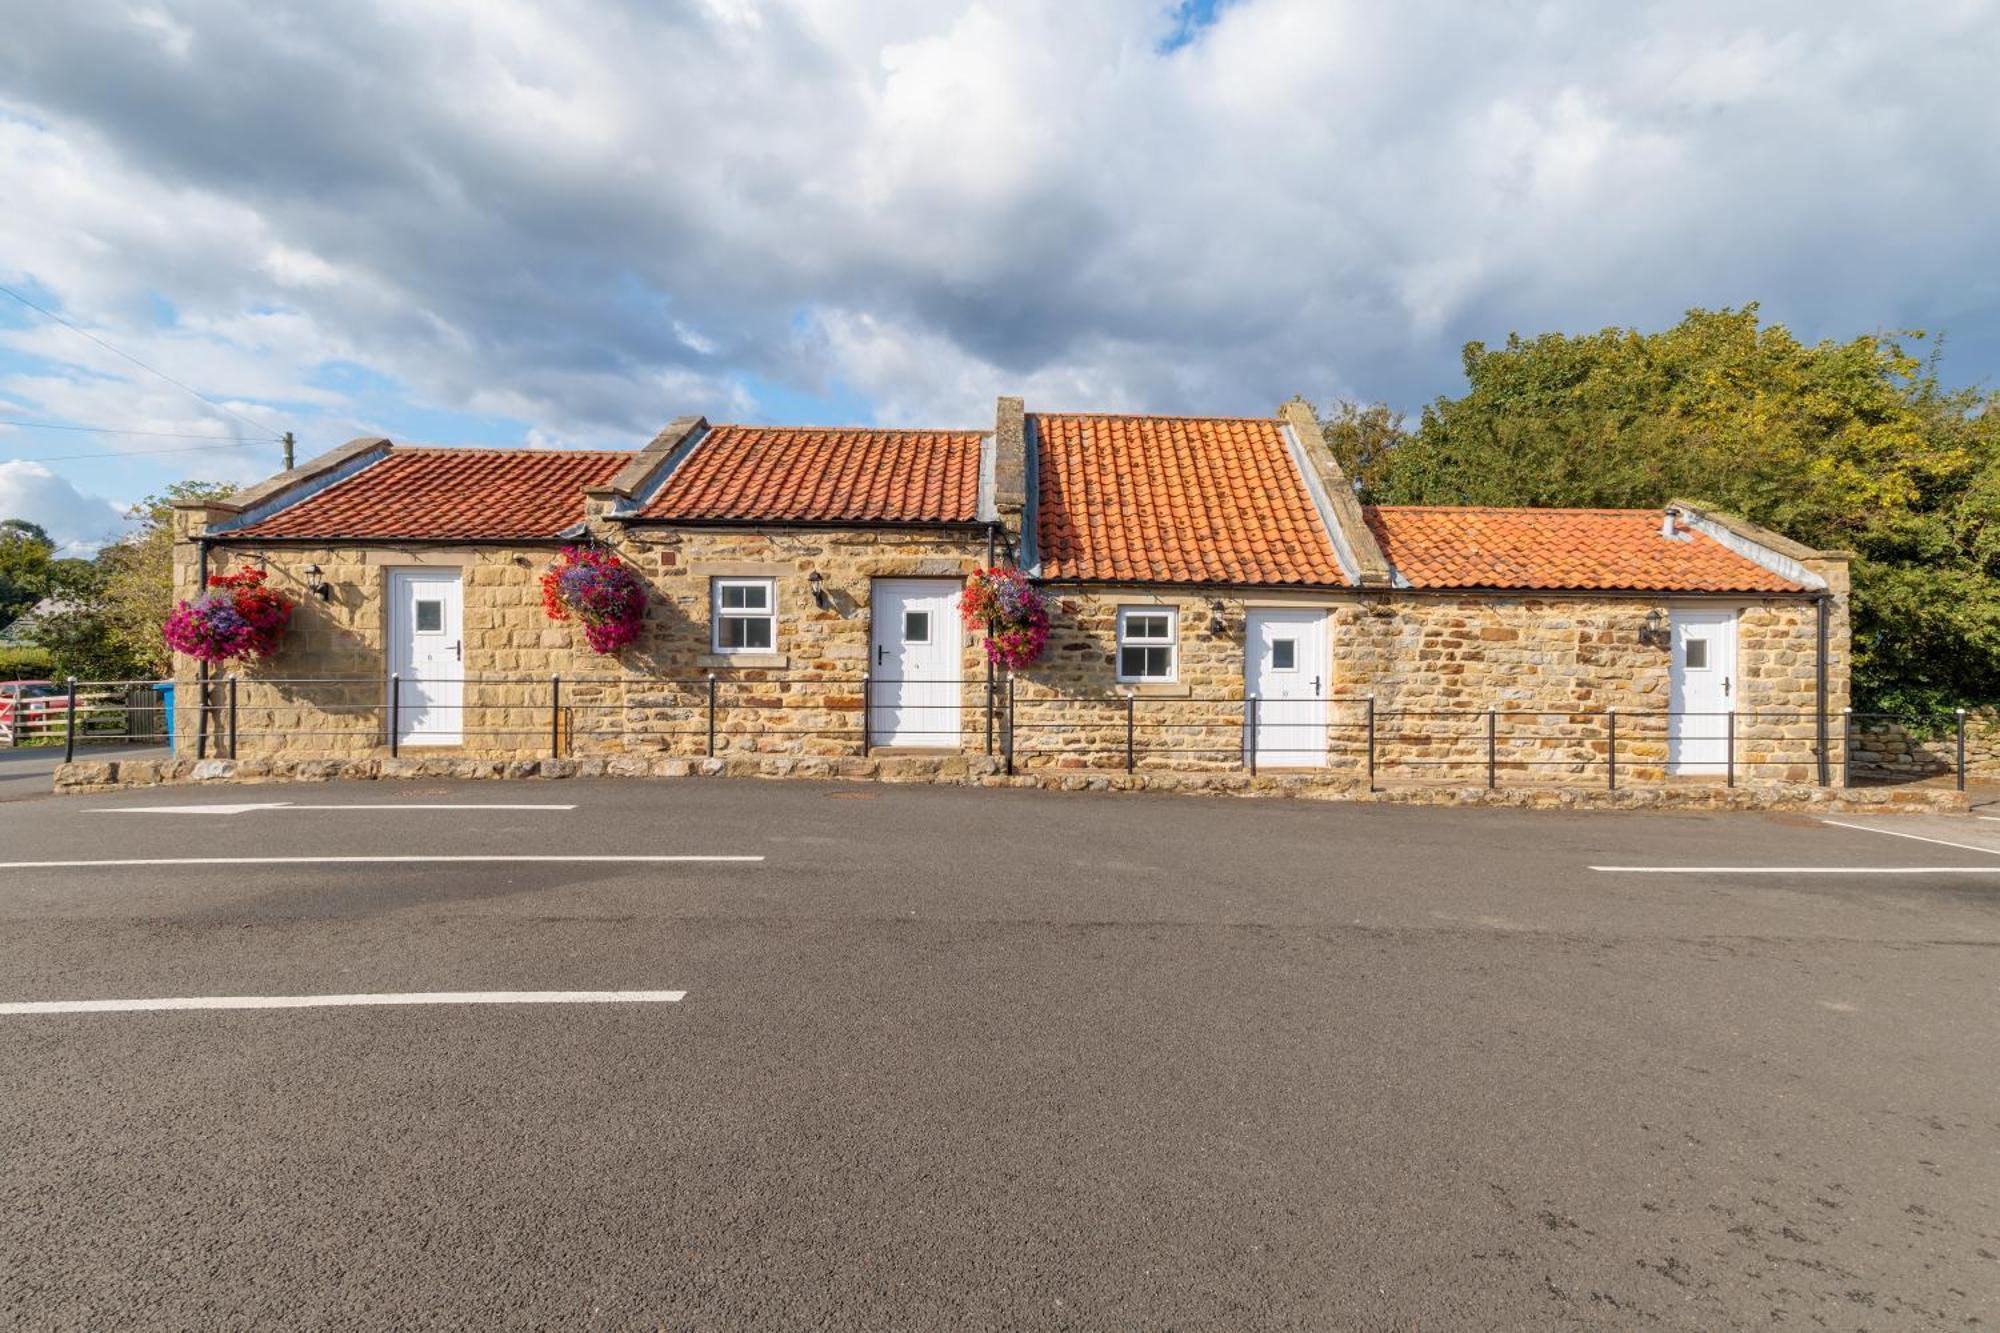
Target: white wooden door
[[1286, 656], [1703, 691], [914, 663], [426, 653]]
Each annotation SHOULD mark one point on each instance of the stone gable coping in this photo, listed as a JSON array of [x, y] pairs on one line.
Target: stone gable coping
[[1772, 550], [267, 497], [649, 469], [1340, 510]]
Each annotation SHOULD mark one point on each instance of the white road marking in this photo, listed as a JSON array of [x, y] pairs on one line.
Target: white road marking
[[293, 805], [343, 1001], [1798, 870], [1894, 833], [350, 860]]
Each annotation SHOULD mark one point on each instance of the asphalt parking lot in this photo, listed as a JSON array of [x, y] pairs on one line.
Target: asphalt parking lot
[[935, 1058]]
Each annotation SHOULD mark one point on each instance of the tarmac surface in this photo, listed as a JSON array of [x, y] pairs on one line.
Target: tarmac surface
[[953, 1058]]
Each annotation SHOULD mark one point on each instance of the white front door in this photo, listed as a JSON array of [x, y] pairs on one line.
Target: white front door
[[914, 663], [1285, 669], [426, 651], [1703, 692]]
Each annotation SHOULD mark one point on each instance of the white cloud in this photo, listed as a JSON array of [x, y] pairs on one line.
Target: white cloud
[[77, 523], [593, 216]]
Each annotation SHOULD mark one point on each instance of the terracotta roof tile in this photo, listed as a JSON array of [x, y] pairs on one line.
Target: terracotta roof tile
[[1448, 547], [809, 474], [450, 495], [1175, 500]]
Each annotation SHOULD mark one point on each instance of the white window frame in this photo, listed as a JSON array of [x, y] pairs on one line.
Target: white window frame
[[1172, 643], [717, 614]]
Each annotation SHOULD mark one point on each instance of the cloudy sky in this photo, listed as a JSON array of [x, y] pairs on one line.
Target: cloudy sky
[[565, 221]]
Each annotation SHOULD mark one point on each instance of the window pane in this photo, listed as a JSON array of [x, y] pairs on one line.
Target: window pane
[[916, 627], [1151, 626], [1132, 662], [1284, 655], [1142, 663], [430, 617], [744, 632], [1696, 651], [745, 596]]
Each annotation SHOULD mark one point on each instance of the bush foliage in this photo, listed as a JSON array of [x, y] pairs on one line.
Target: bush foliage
[[1852, 445]]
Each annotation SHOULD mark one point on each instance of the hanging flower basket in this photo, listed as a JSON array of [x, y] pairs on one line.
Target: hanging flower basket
[[241, 618], [598, 589], [1012, 612]]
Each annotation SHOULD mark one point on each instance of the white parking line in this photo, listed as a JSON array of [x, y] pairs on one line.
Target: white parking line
[[344, 1001], [1894, 833], [254, 807], [1798, 870], [352, 860]]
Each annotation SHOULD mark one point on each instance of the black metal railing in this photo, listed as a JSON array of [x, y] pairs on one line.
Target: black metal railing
[[1023, 725]]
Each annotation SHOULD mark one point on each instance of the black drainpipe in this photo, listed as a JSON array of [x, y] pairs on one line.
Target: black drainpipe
[[992, 540], [1820, 692]]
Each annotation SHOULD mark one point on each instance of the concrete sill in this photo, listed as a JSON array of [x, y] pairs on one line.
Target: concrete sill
[[723, 661], [1164, 689]]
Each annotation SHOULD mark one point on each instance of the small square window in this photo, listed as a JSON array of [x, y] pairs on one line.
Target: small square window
[[430, 617], [916, 627], [745, 621], [1284, 654], [1694, 654], [1147, 644]]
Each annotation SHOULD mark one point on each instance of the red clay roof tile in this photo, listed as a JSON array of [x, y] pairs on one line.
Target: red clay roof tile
[[1623, 549], [450, 495], [809, 474], [1175, 500]]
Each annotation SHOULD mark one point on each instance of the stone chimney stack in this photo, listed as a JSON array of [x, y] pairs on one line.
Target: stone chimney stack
[[1010, 468]]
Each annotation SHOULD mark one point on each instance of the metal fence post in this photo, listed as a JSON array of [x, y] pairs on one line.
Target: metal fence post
[[1846, 745], [1611, 747], [992, 689], [1007, 735], [395, 713], [1492, 749], [868, 711], [1250, 724], [1732, 748], [1961, 745], [711, 714], [1371, 742], [1131, 725], [555, 716], [233, 678], [69, 729]]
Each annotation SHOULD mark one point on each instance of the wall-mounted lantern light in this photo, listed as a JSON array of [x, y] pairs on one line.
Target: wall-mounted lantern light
[[1216, 624], [817, 583], [1655, 632], [317, 585]]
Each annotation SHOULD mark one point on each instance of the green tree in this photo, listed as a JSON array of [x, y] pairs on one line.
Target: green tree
[[107, 612], [1853, 445], [25, 553]]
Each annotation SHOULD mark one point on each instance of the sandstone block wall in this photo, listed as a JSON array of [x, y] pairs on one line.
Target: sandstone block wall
[[1433, 665], [325, 691]]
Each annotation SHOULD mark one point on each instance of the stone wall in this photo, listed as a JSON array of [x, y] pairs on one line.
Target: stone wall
[[1909, 750], [324, 692], [1550, 666]]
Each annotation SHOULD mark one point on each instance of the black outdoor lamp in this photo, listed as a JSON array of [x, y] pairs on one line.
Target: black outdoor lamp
[[1215, 622], [1654, 631], [817, 583], [316, 585]]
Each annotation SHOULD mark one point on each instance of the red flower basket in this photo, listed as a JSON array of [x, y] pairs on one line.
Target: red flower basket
[[598, 589], [1013, 613], [240, 619]]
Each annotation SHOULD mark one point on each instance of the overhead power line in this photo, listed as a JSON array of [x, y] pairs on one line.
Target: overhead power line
[[188, 388], [138, 453], [119, 430]]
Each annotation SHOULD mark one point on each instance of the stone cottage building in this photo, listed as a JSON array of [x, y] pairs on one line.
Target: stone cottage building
[[1221, 601]]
